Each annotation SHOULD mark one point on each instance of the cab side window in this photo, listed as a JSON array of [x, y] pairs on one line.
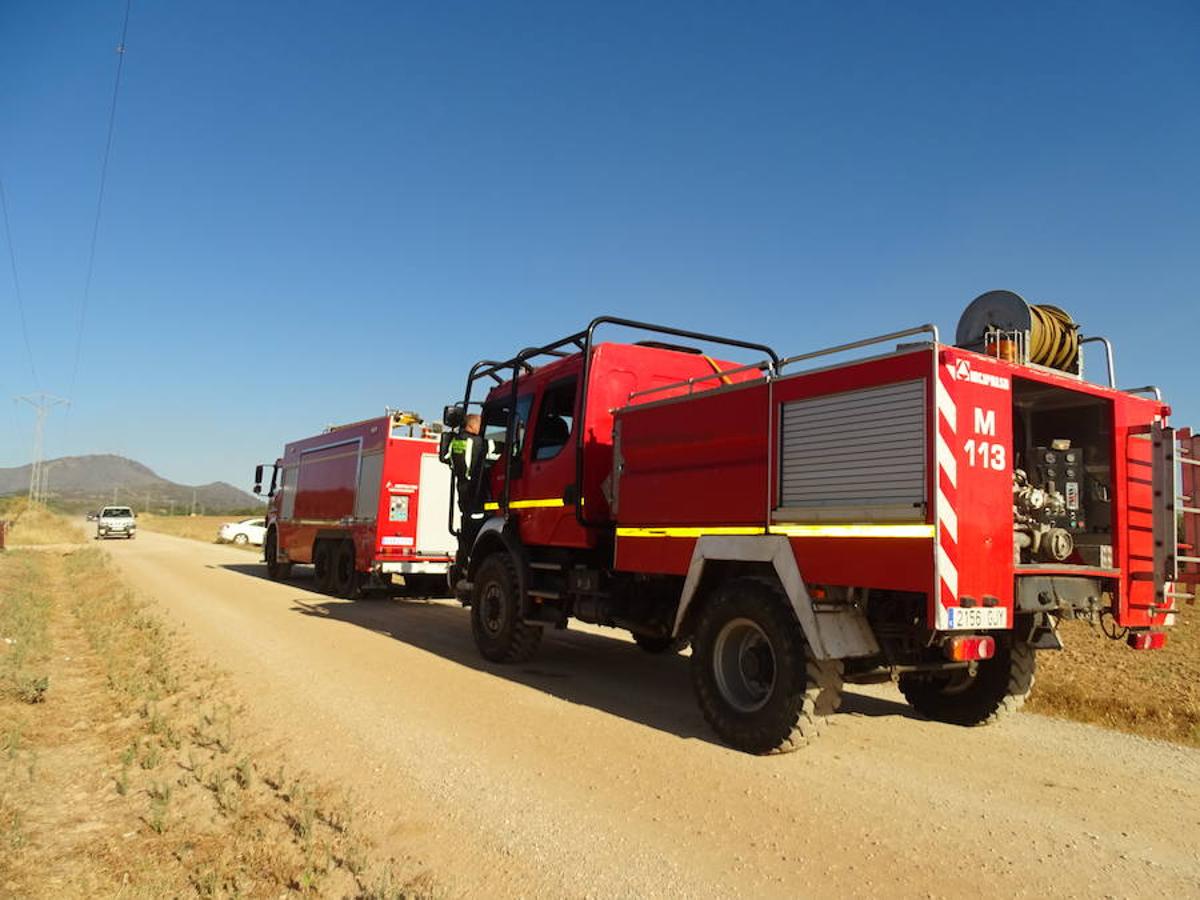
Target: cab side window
[[555, 422], [495, 425]]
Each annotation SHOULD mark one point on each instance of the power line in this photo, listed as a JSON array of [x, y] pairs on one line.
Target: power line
[[12, 261], [112, 118]]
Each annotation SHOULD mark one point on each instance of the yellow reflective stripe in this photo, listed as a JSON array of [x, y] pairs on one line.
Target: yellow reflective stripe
[[699, 531], [531, 504], [527, 504], [917, 530]]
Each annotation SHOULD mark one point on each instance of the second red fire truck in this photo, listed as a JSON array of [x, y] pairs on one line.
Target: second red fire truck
[[362, 503], [928, 513]]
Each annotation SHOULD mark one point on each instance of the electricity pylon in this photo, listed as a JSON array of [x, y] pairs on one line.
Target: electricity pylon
[[42, 403]]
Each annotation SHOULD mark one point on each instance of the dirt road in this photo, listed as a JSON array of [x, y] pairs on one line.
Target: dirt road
[[590, 772]]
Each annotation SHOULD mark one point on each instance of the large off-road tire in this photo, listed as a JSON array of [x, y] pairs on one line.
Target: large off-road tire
[[997, 688], [496, 624], [276, 570], [756, 682], [323, 565], [658, 645], [345, 580]]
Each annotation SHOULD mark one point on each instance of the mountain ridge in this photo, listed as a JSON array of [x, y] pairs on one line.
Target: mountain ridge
[[84, 482]]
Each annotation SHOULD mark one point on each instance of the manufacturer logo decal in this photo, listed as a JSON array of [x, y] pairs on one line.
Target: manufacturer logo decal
[[962, 371]]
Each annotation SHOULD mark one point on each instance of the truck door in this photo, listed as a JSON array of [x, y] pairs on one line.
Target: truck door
[[502, 439], [544, 500]]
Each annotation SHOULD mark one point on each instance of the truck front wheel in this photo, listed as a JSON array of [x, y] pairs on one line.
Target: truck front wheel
[[754, 677], [345, 577], [995, 688], [496, 624], [323, 565], [276, 570]]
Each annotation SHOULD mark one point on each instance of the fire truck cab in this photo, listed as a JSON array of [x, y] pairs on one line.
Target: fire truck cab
[[926, 513]]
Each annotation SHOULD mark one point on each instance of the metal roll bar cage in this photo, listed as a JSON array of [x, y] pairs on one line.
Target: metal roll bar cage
[[580, 342]]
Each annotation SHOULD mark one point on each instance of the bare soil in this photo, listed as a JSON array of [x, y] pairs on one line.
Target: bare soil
[[589, 770]]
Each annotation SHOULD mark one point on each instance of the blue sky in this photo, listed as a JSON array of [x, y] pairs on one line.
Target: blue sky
[[318, 209]]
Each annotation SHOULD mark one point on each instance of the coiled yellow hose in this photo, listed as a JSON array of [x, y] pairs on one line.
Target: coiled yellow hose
[[1053, 339]]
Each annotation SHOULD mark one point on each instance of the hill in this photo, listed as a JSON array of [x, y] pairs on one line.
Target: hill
[[86, 482]]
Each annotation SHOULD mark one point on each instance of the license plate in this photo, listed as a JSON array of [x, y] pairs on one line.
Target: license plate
[[971, 618]]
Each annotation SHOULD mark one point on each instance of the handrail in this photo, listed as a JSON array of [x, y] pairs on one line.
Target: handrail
[[708, 376], [841, 348], [1148, 389], [1108, 354]]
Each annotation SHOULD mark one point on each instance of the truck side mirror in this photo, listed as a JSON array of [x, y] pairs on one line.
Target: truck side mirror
[[258, 472], [454, 415]]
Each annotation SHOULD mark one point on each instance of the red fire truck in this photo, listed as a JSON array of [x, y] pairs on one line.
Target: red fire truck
[[361, 502], [927, 513]]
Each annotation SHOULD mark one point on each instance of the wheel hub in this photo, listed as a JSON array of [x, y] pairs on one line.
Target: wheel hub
[[744, 665], [493, 609]]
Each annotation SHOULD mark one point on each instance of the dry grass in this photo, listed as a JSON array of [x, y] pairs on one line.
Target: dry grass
[[127, 773], [198, 528], [1153, 693], [36, 526]]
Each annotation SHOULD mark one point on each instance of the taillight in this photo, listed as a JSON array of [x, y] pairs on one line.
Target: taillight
[[1147, 640], [962, 649]]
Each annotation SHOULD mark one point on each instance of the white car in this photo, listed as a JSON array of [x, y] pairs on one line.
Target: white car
[[115, 520], [247, 531]]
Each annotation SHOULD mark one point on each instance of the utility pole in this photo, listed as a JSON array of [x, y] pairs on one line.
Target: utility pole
[[172, 507], [146, 506], [42, 403], [193, 501], [114, 495]]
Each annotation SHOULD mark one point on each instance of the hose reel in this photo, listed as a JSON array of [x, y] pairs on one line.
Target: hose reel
[[1002, 324]]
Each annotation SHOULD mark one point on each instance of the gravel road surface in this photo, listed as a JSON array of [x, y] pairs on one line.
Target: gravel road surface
[[590, 772]]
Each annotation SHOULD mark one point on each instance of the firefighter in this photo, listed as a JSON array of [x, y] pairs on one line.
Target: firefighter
[[461, 454], [469, 456]]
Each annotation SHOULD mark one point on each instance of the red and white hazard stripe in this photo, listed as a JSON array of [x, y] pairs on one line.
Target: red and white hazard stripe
[[947, 493]]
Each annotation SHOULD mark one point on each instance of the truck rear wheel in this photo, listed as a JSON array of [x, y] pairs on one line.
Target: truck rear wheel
[[996, 688], [276, 570], [496, 624], [754, 677], [345, 579], [323, 565]]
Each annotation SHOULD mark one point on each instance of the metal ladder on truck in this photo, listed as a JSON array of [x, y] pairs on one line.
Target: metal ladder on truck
[[1177, 515], [1187, 558]]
